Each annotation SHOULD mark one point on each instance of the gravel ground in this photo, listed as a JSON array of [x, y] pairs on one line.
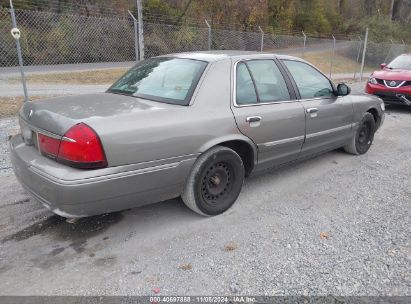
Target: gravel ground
[[337, 224], [7, 126]]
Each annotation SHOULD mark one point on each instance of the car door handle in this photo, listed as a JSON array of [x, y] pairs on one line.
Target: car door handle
[[253, 119], [312, 110]]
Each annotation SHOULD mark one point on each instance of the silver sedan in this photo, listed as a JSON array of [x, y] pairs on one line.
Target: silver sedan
[[192, 125]]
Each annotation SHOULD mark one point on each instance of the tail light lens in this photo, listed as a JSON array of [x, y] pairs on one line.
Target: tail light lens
[[80, 147], [48, 146]]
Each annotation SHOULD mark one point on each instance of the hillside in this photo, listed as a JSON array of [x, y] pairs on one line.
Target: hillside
[[387, 19]]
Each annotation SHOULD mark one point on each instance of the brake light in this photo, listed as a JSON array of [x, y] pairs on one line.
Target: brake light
[[48, 146], [81, 147]]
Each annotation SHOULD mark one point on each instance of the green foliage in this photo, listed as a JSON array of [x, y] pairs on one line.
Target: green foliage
[[381, 29], [59, 34], [312, 19], [281, 14], [32, 4], [160, 8]]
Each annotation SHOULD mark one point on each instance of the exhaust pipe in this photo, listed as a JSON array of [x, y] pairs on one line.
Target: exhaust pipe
[[404, 99]]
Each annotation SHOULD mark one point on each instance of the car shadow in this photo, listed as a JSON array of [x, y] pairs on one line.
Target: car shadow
[[85, 228], [397, 109]]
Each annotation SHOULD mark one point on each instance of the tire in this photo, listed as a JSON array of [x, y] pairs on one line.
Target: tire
[[364, 136], [215, 181]]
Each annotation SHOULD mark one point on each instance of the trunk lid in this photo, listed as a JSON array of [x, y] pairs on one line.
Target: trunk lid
[[57, 115], [130, 129]]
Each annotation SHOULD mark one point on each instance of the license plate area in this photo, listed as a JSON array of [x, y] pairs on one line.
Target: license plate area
[[26, 133]]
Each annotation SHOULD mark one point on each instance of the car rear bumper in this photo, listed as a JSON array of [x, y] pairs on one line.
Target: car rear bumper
[[79, 193], [400, 95]]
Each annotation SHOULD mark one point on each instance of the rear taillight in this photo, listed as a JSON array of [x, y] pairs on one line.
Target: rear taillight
[[80, 147], [49, 146]]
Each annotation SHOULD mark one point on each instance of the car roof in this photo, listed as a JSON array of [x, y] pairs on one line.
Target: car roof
[[211, 56]]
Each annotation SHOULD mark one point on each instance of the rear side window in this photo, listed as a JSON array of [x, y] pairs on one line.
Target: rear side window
[[269, 81], [244, 87], [310, 82], [260, 81]]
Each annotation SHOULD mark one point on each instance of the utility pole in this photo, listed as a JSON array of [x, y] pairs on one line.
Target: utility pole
[[15, 32], [140, 29], [332, 57], [363, 54], [358, 56], [304, 43], [392, 9], [209, 34], [136, 44], [262, 39]]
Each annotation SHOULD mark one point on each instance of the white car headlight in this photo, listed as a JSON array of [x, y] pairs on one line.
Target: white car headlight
[[372, 80], [382, 106]]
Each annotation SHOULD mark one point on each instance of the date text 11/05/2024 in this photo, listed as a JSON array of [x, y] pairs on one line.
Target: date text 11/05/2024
[[203, 299]]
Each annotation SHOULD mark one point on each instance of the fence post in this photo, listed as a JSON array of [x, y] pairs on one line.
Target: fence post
[[16, 35], [135, 35], [140, 30], [304, 43], [332, 57], [358, 57], [363, 54], [209, 34], [262, 39]]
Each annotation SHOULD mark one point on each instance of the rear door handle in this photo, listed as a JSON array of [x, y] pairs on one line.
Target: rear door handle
[[253, 119], [312, 110]]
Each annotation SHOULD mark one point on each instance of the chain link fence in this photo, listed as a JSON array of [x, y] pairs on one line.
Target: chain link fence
[[49, 38], [64, 52], [54, 39], [8, 55], [160, 39]]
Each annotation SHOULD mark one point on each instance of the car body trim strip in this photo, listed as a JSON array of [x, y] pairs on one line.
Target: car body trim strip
[[104, 177], [283, 141], [38, 130], [330, 131]]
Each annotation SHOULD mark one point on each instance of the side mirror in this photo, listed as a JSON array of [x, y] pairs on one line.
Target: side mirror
[[343, 90], [383, 65]]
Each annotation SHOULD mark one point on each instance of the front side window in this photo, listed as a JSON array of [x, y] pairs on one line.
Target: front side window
[[260, 81], [310, 82], [170, 80]]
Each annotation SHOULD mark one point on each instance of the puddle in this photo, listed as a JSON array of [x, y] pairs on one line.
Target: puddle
[[34, 229], [57, 227], [19, 202]]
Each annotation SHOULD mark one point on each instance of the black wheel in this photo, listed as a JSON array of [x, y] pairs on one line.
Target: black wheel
[[364, 136], [214, 182]]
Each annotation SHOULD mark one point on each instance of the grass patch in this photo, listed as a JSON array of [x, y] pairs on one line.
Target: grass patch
[[106, 76], [341, 64], [10, 106]]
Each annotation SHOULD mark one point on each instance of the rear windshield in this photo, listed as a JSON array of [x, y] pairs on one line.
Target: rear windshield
[[169, 80], [401, 62]]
